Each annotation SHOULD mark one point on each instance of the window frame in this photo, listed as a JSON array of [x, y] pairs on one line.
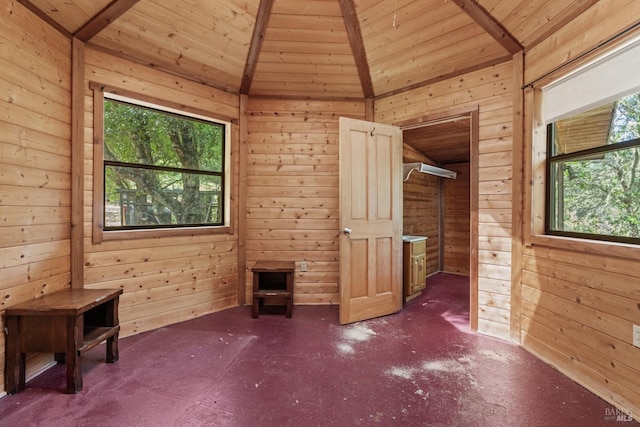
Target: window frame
[[578, 155], [99, 234], [535, 163]]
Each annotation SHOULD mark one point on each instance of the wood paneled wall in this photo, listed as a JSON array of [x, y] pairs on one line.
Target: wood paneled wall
[[421, 208], [35, 153], [171, 279], [292, 191], [491, 90], [421, 202], [579, 304], [457, 222]]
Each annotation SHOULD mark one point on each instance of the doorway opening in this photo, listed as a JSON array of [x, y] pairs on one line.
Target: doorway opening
[[445, 210]]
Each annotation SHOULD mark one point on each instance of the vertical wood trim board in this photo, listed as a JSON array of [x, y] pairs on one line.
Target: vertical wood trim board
[[77, 163], [518, 192], [474, 234], [242, 200]]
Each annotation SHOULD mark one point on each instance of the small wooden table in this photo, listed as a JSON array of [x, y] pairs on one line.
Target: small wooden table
[[68, 323], [273, 279]]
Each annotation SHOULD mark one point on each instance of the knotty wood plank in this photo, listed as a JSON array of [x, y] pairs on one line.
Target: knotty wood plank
[[457, 221], [564, 18], [46, 18], [124, 74], [599, 25]]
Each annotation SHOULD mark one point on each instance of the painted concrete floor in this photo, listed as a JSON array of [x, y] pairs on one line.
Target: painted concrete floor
[[420, 367]]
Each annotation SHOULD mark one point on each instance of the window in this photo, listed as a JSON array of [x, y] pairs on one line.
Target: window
[[593, 173], [592, 123], [157, 169]]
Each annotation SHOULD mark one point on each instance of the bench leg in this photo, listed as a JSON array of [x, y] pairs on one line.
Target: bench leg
[[112, 349], [254, 310], [74, 369], [289, 306], [15, 360]]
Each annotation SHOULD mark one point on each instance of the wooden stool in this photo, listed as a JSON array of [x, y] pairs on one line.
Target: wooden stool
[[273, 279]]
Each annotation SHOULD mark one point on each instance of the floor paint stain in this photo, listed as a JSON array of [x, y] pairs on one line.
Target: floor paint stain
[[504, 358], [443, 366], [358, 333], [345, 348], [352, 334], [401, 372]]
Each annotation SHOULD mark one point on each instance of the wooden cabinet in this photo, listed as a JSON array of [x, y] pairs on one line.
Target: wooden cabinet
[[415, 265], [271, 280]]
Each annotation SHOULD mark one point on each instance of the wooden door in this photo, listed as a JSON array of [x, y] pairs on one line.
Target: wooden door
[[370, 220]]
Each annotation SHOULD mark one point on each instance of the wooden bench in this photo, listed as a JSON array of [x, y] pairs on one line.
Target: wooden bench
[[273, 279], [67, 323]]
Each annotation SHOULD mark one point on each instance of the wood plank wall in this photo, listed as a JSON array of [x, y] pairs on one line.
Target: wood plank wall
[[578, 307], [171, 279], [35, 162], [292, 191], [457, 221], [421, 207], [490, 89]]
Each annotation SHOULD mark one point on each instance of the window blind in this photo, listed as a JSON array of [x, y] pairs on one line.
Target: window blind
[[613, 76]]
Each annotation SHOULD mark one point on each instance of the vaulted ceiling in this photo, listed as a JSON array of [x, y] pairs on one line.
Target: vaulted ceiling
[[311, 48]]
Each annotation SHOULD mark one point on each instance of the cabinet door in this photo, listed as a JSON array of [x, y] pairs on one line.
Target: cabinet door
[[421, 274], [417, 267]]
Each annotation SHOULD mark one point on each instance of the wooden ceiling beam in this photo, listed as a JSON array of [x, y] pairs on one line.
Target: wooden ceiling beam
[[46, 18], [357, 46], [113, 11], [262, 21], [490, 25]]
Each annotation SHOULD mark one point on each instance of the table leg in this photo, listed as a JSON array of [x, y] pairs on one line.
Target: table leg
[[256, 300], [74, 341], [15, 363], [254, 311], [112, 320], [112, 349], [289, 279]]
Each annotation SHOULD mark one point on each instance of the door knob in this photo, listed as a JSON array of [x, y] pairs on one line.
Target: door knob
[[346, 230]]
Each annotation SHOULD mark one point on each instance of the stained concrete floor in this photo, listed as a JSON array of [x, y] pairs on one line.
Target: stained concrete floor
[[420, 367]]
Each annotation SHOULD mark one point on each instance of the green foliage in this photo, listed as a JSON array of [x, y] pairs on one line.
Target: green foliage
[[601, 195], [191, 152]]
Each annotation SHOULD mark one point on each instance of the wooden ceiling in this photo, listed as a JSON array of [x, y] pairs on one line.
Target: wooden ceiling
[[318, 49], [311, 48], [444, 142]]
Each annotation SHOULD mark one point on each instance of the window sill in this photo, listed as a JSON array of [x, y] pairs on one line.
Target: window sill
[[621, 250], [158, 233]]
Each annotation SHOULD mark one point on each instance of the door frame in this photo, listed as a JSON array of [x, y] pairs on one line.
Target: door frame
[[473, 113]]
